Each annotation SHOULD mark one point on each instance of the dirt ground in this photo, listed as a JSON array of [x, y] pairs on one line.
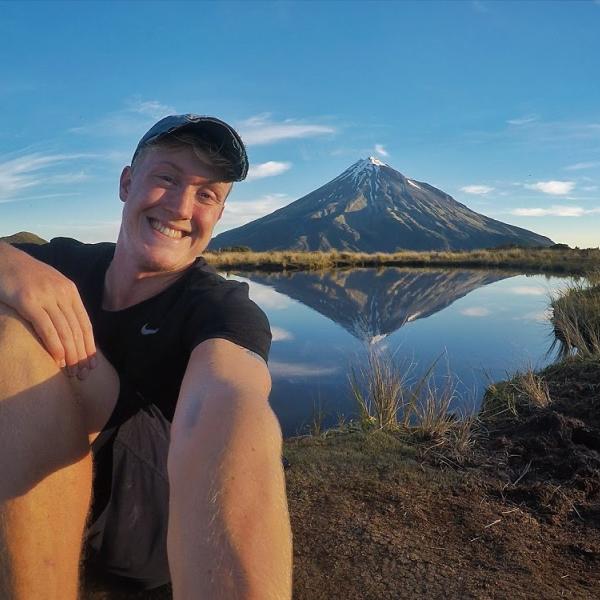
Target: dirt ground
[[518, 517]]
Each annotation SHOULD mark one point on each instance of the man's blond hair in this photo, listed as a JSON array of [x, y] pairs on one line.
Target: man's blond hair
[[207, 153]]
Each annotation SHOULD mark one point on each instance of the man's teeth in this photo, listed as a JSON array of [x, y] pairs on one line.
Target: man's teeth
[[172, 233]]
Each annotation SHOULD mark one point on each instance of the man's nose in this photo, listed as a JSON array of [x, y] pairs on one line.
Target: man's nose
[[181, 202]]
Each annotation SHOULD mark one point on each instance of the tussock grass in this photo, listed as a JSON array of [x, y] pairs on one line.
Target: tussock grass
[[535, 260], [419, 411], [378, 388], [534, 388], [506, 399], [576, 319]]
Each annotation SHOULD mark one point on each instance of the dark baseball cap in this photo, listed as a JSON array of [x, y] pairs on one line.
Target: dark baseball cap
[[219, 134]]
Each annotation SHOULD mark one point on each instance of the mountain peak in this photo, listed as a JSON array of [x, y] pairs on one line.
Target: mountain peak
[[366, 169], [371, 207]]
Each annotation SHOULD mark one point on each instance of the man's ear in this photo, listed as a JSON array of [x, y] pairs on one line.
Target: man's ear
[[125, 183]]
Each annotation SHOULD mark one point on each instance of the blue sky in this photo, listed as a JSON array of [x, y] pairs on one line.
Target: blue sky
[[496, 103]]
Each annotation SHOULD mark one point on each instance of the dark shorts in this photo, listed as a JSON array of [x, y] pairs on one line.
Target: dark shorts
[[127, 534]]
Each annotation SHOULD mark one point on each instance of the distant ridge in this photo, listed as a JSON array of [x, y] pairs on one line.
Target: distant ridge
[[23, 237], [371, 207]]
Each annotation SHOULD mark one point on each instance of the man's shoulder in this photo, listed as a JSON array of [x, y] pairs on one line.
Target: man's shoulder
[[72, 245], [66, 254]]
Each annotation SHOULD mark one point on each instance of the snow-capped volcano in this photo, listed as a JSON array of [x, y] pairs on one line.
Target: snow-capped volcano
[[371, 207]]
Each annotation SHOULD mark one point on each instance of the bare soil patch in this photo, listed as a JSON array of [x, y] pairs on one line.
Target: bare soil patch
[[375, 518]]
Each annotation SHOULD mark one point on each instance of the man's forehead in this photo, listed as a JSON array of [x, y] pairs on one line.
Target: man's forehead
[[184, 160]]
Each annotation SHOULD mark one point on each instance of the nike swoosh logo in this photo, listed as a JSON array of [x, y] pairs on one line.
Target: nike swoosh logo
[[147, 330]]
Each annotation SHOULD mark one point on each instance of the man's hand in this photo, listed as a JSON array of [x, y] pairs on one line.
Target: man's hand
[[51, 303]]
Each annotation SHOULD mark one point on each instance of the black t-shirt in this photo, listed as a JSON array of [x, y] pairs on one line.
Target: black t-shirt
[[150, 343]]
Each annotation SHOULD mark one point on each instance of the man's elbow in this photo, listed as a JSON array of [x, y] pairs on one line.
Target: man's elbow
[[229, 427]]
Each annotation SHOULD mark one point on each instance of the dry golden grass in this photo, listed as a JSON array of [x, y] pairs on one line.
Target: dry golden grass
[[534, 260], [576, 319], [533, 387], [419, 411]]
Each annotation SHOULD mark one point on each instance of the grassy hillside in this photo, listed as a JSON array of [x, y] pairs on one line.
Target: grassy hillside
[[23, 237]]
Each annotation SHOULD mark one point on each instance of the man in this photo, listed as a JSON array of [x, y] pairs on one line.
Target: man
[[140, 356]]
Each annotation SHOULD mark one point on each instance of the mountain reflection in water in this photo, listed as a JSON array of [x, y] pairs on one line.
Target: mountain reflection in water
[[372, 303], [484, 324]]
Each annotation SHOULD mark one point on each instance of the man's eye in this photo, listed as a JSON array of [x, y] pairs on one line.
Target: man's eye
[[207, 197], [166, 178]]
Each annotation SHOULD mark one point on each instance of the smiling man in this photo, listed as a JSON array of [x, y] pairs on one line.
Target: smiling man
[[134, 391]]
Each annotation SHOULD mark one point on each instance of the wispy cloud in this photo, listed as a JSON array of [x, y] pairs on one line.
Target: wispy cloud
[[151, 108], [479, 190], [528, 290], [295, 369], [583, 165], [554, 211], [268, 169], [380, 149], [554, 188], [540, 316], [261, 129], [133, 120], [239, 213], [30, 170], [280, 334], [264, 295], [535, 132], [475, 311], [523, 120]]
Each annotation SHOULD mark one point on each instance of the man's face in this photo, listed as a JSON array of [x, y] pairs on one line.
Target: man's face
[[172, 203]]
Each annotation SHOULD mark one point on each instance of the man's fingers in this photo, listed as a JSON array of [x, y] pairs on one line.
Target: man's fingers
[[45, 329], [81, 358], [88, 333], [63, 329]]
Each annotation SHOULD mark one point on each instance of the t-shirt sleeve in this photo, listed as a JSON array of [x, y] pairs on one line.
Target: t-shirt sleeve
[[232, 316]]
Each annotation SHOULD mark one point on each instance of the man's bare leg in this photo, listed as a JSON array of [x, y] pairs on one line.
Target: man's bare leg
[[45, 470]]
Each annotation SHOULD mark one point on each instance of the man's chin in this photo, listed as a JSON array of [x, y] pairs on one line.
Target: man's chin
[[164, 263]]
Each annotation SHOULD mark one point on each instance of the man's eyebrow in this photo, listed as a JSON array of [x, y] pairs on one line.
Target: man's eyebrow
[[168, 163]]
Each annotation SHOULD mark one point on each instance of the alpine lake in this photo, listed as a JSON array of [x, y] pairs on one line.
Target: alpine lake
[[469, 328]]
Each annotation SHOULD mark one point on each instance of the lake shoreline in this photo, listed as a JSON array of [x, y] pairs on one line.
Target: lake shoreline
[[532, 261], [517, 516]]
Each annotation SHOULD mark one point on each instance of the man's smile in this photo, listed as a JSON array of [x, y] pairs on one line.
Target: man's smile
[[166, 230]]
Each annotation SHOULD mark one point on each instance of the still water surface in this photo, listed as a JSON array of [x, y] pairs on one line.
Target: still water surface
[[485, 324]]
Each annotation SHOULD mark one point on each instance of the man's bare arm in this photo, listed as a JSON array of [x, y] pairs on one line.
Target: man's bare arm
[[51, 303], [229, 531]]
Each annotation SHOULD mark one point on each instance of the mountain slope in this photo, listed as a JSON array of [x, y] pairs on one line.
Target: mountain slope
[[23, 237], [371, 207]]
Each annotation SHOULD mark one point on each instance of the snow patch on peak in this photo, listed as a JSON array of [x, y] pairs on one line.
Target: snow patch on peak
[[362, 169], [414, 184], [376, 339]]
